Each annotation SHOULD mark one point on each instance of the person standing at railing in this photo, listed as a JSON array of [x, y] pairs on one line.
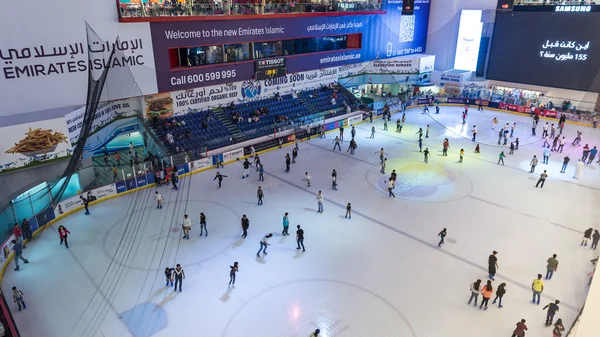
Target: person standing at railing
[[26, 228], [18, 232]]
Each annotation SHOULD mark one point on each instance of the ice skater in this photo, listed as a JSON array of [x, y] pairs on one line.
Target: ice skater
[[587, 235], [179, 276], [537, 286], [348, 211], [218, 176], [169, 276], [553, 308], [63, 233], [246, 165], [86, 203], [558, 328], [18, 249], [445, 146], [260, 195], [533, 163], [477, 149], [427, 131], [334, 180], [595, 239], [315, 334], [264, 242], [461, 154], [520, 329], [474, 133], [593, 153], [352, 146], [512, 129], [232, 272], [390, 185], [545, 130], [494, 123], [203, 224], [261, 173], [492, 265], [578, 169], [475, 291], [383, 166], [372, 132], [426, 155], [420, 145], [320, 202], [175, 178], [542, 179], [300, 238], [18, 298], [294, 155], [288, 161], [307, 178], [486, 292], [245, 226], [442, 235], [420, 133], [499, 293], [186, 226], [336, 143], [342, 133], [256, 162], [501, 157], [286, 224], [551, 266]]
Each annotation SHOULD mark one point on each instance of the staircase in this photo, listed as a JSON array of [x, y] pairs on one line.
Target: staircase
[[234, 131]]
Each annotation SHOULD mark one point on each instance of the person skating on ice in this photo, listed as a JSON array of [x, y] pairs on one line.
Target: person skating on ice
[[288, 161], [420, 133], [474, 133], [542, 179], [300, 238], [63, 233], [475, 291], [426, 155], [551, 267], [461, 154], [486, 292], [445, 146], [316, 333], [383, 164], [203, 224], [442, 235], [477, 149], [342, 133], [179, 275], [261, 173], [232, 273], [420, 145], [352, 146], [501, 157], [578, 169], [294, 155], [553, 308], [26, 228], [334, 180], [385, 128], [260, 195], [585, 153], [348, 211], [245, 225], [372, 132], [546, 142], [307, 178], [336, 143], [512, 129], [264, 242], [169, 276], [587, 235], [353, 132], [464, 117], [558, 328], [499, 294], [494, 123], [246, 165], [427, 131], [159, 200], [593, 153], [537, 286], [492, 265], [512, 148], [520, 329], [286, 224], [561, 145], [18, 298], [86, 203], [505, 136], [320, 202], [533, 164], [546, 156], [555, 143], [577, 140], [175, 178], [256, 162], [516, 143], [545, 130], [595, 239], [398, 125], [18, 249], [218, 176], [186, 226], [390, 185]]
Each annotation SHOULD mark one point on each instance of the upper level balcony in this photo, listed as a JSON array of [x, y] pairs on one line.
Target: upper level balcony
[[188, 10]]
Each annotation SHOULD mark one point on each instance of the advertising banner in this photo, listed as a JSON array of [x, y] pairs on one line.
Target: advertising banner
[[398, 65], [514, 107], [231, 155], [482, 102], [6, 249], [26, 145], [121, 187], [424, 100], [200, 164], [105, 114], [383, 36], [456, 100], [49, 55], [67, 205], [355, 119], [42, 219], [141, 181], [451, 78], [104, 191]]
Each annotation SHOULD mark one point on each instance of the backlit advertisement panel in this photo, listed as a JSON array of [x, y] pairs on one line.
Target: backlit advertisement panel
[[469, 39]]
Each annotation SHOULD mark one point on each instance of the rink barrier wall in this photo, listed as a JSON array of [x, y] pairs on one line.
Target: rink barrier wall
[[62, 216]]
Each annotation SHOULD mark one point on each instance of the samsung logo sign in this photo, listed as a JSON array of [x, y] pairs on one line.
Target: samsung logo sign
[[573, 9]]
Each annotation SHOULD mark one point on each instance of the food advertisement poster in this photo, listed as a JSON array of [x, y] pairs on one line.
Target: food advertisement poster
[[32, 144]]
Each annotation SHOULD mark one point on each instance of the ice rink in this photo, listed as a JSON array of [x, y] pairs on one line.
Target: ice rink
[[377, 274]]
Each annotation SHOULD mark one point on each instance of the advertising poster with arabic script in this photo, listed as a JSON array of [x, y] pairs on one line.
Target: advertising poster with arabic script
[[560, 50], [50, 50]]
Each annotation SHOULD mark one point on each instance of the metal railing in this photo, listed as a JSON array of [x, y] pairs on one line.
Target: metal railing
[[210, 8]]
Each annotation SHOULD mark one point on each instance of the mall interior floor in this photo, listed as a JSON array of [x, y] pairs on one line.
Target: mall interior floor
[[380, 273]]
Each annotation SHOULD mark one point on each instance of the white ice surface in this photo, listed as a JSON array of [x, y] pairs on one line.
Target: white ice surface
[[378, 274]]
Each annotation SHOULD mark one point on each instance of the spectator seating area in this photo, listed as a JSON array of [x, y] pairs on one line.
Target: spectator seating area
[[212, 129]]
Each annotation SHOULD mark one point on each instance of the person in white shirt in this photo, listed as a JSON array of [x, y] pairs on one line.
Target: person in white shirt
[[474, 132], [308, 178], [187, 225], [320, 202], [333, 101], [391, 187], [159, 199], [263, 244]]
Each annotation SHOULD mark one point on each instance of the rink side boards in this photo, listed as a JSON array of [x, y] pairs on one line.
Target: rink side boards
[[50, 223]]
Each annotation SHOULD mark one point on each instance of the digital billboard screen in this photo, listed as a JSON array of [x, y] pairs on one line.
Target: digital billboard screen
[[551, 49]]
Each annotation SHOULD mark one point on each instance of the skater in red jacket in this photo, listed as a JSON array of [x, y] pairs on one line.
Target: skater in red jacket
[[63, 232]]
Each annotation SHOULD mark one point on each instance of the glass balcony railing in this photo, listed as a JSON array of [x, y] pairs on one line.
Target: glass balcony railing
[[129, 9]]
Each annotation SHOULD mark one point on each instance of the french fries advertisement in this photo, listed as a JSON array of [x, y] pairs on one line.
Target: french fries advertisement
[[32, 144]]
